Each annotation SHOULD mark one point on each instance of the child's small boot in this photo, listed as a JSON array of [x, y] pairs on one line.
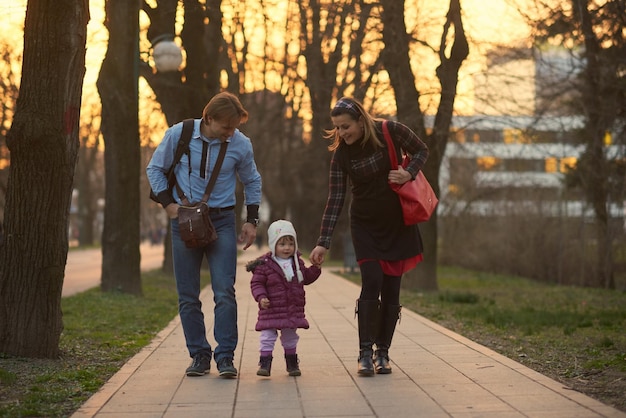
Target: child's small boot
[[265, 366], [292, 364]]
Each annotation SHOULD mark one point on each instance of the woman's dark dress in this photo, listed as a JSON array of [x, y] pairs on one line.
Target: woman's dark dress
[[377, 227]]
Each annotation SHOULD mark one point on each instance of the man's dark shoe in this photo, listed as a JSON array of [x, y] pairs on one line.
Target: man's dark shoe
[[200, 365], [226, 368]]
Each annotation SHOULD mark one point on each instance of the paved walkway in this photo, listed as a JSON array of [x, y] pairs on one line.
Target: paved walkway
[[436, 373], [83, 270]]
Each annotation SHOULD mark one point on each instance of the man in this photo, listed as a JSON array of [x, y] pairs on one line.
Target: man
[[220, 120]]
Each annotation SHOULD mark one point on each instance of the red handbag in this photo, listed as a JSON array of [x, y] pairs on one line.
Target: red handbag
[[417, 198]]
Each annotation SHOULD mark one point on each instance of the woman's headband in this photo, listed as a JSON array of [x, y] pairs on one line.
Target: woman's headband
[[346, 105]]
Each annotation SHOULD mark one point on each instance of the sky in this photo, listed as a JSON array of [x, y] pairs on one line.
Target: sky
[[485, 22], [12, 18]]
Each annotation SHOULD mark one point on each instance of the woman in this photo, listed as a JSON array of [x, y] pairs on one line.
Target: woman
[[385, 248]]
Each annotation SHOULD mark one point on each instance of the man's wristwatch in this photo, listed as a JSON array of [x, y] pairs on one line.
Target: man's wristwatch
[[253, 221]]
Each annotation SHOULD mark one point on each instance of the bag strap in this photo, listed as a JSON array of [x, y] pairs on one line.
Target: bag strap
[[215, 172], [390, 147], [212, 179], [181, 148]]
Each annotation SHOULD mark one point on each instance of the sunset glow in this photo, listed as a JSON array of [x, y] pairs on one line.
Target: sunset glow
[[486, 27]]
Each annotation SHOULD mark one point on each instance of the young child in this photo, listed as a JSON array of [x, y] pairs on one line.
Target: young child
[[278, 280]]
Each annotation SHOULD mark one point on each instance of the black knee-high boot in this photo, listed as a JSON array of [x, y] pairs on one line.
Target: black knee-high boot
[[368, 314], [389, 315]]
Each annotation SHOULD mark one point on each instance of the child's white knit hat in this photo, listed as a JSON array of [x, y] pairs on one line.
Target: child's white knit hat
[[277, 230]]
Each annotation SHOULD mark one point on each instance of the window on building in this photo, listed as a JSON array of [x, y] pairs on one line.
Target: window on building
[[522, 165], [512, 136], [479, 135], [543, 137], [487, 163], [551, 165], [567, 164]]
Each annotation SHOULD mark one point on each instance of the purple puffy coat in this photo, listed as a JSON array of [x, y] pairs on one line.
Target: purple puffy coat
[[287, 299]]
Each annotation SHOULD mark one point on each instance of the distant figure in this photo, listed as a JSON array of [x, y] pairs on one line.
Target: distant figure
[[385, 248], [278, 280], [259, 239]]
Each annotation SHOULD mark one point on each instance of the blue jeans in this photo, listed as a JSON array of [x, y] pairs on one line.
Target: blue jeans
[[222, 258]]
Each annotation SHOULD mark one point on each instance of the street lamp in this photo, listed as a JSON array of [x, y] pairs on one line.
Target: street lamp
[[166, 53]]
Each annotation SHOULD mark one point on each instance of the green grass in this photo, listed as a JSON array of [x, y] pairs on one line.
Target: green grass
[[101, 332]]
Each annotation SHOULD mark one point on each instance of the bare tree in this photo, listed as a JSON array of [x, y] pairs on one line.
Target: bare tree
[[117, 85], [43, 141], [183, 94], [333, 38], [275, 125], [274, 149], [596, 31], [397, 64], [89, 182], [326, 30]]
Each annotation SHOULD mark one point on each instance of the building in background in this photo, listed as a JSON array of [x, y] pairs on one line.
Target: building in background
[[513, 154]]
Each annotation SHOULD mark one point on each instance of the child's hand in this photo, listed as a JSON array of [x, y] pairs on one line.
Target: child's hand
[[264, 303]]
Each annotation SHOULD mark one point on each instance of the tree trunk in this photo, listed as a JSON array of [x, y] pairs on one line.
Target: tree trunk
[[600, 102], [117, 85], [43, 141], [87, 205], [397, 64], [184, 94], [322, 66]]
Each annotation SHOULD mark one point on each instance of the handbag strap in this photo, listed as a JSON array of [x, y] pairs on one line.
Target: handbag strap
[[390, 147], [212, 179]]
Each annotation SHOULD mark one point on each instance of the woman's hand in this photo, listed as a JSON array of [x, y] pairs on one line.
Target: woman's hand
[[317, 255], [399, 176]]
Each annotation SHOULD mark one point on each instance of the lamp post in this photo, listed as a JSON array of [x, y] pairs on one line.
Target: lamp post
[[166, 53]]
